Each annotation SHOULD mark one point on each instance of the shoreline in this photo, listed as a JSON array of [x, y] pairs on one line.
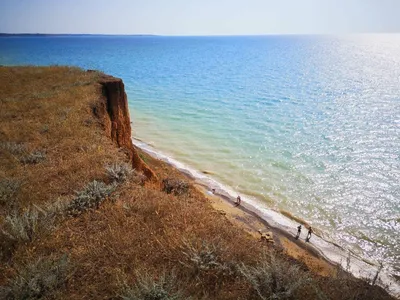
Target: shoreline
[[114, 216], [321, 255]]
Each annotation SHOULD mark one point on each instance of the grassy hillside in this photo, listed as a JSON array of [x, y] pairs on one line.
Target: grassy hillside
[[77, 222]]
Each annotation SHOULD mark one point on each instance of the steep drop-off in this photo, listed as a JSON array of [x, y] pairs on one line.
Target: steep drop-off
[[113, 111]]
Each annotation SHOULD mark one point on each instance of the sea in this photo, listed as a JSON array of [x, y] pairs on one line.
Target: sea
[[305, 126]]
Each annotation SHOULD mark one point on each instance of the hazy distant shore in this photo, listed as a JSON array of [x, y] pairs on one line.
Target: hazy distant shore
[[68, 34]]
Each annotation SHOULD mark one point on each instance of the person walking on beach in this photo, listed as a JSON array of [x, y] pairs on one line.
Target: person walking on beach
[[298, 231], [238, 200], [309, 234]]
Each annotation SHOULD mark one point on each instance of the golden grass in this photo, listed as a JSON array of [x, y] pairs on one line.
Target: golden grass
[[48, 109], [140, 229]]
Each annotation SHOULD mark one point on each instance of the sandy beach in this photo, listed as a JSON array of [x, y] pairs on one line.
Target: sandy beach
[[250, 222], [87, 208], [320, 255]]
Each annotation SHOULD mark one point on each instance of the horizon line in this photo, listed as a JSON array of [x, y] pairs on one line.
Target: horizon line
[[194, 35]]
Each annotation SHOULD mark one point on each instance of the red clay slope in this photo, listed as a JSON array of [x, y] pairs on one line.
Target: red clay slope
[[113, 111]]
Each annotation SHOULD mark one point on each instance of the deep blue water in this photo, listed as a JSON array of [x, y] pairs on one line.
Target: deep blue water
[[307, 124]]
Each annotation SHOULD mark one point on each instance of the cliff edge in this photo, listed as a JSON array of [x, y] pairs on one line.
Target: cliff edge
[[113, 111], [76, 222]]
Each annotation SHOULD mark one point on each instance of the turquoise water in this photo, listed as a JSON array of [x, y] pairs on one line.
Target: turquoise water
[[307, 124]]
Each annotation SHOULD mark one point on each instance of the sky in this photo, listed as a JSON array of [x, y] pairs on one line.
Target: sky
[[200, 17]]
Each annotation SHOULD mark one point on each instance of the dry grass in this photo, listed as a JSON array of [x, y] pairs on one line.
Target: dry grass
[[119, 172], [147, 287], [90, 197], [27, 225], [46, 122], [275, 278], [137, 236], [38, 279], [176, 186], [8, 190]]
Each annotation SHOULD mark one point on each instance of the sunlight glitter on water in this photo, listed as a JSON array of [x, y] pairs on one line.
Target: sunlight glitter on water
[[323, 146], [309, 124]]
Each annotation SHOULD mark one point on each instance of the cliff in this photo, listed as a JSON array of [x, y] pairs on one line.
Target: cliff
[[113, 111], [74, 227]]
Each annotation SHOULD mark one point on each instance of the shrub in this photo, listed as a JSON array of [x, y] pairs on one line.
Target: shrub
[[119, 172], [176, 186], [90, 197], [273, 279], [23, 155], [13, 148], [37, 280], [24, 227], [204, 257], [57, 207], [33, 158], [146, 288], [7, 247], [8, 189]]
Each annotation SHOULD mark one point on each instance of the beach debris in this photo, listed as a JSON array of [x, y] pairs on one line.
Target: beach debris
[[298, 231], [212, 192], [207, 172], [266, 236]]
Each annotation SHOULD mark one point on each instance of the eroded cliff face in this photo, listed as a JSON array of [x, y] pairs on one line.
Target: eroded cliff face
[[114, 113]]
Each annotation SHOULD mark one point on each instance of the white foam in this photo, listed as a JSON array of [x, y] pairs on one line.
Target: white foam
[[359, 267]]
